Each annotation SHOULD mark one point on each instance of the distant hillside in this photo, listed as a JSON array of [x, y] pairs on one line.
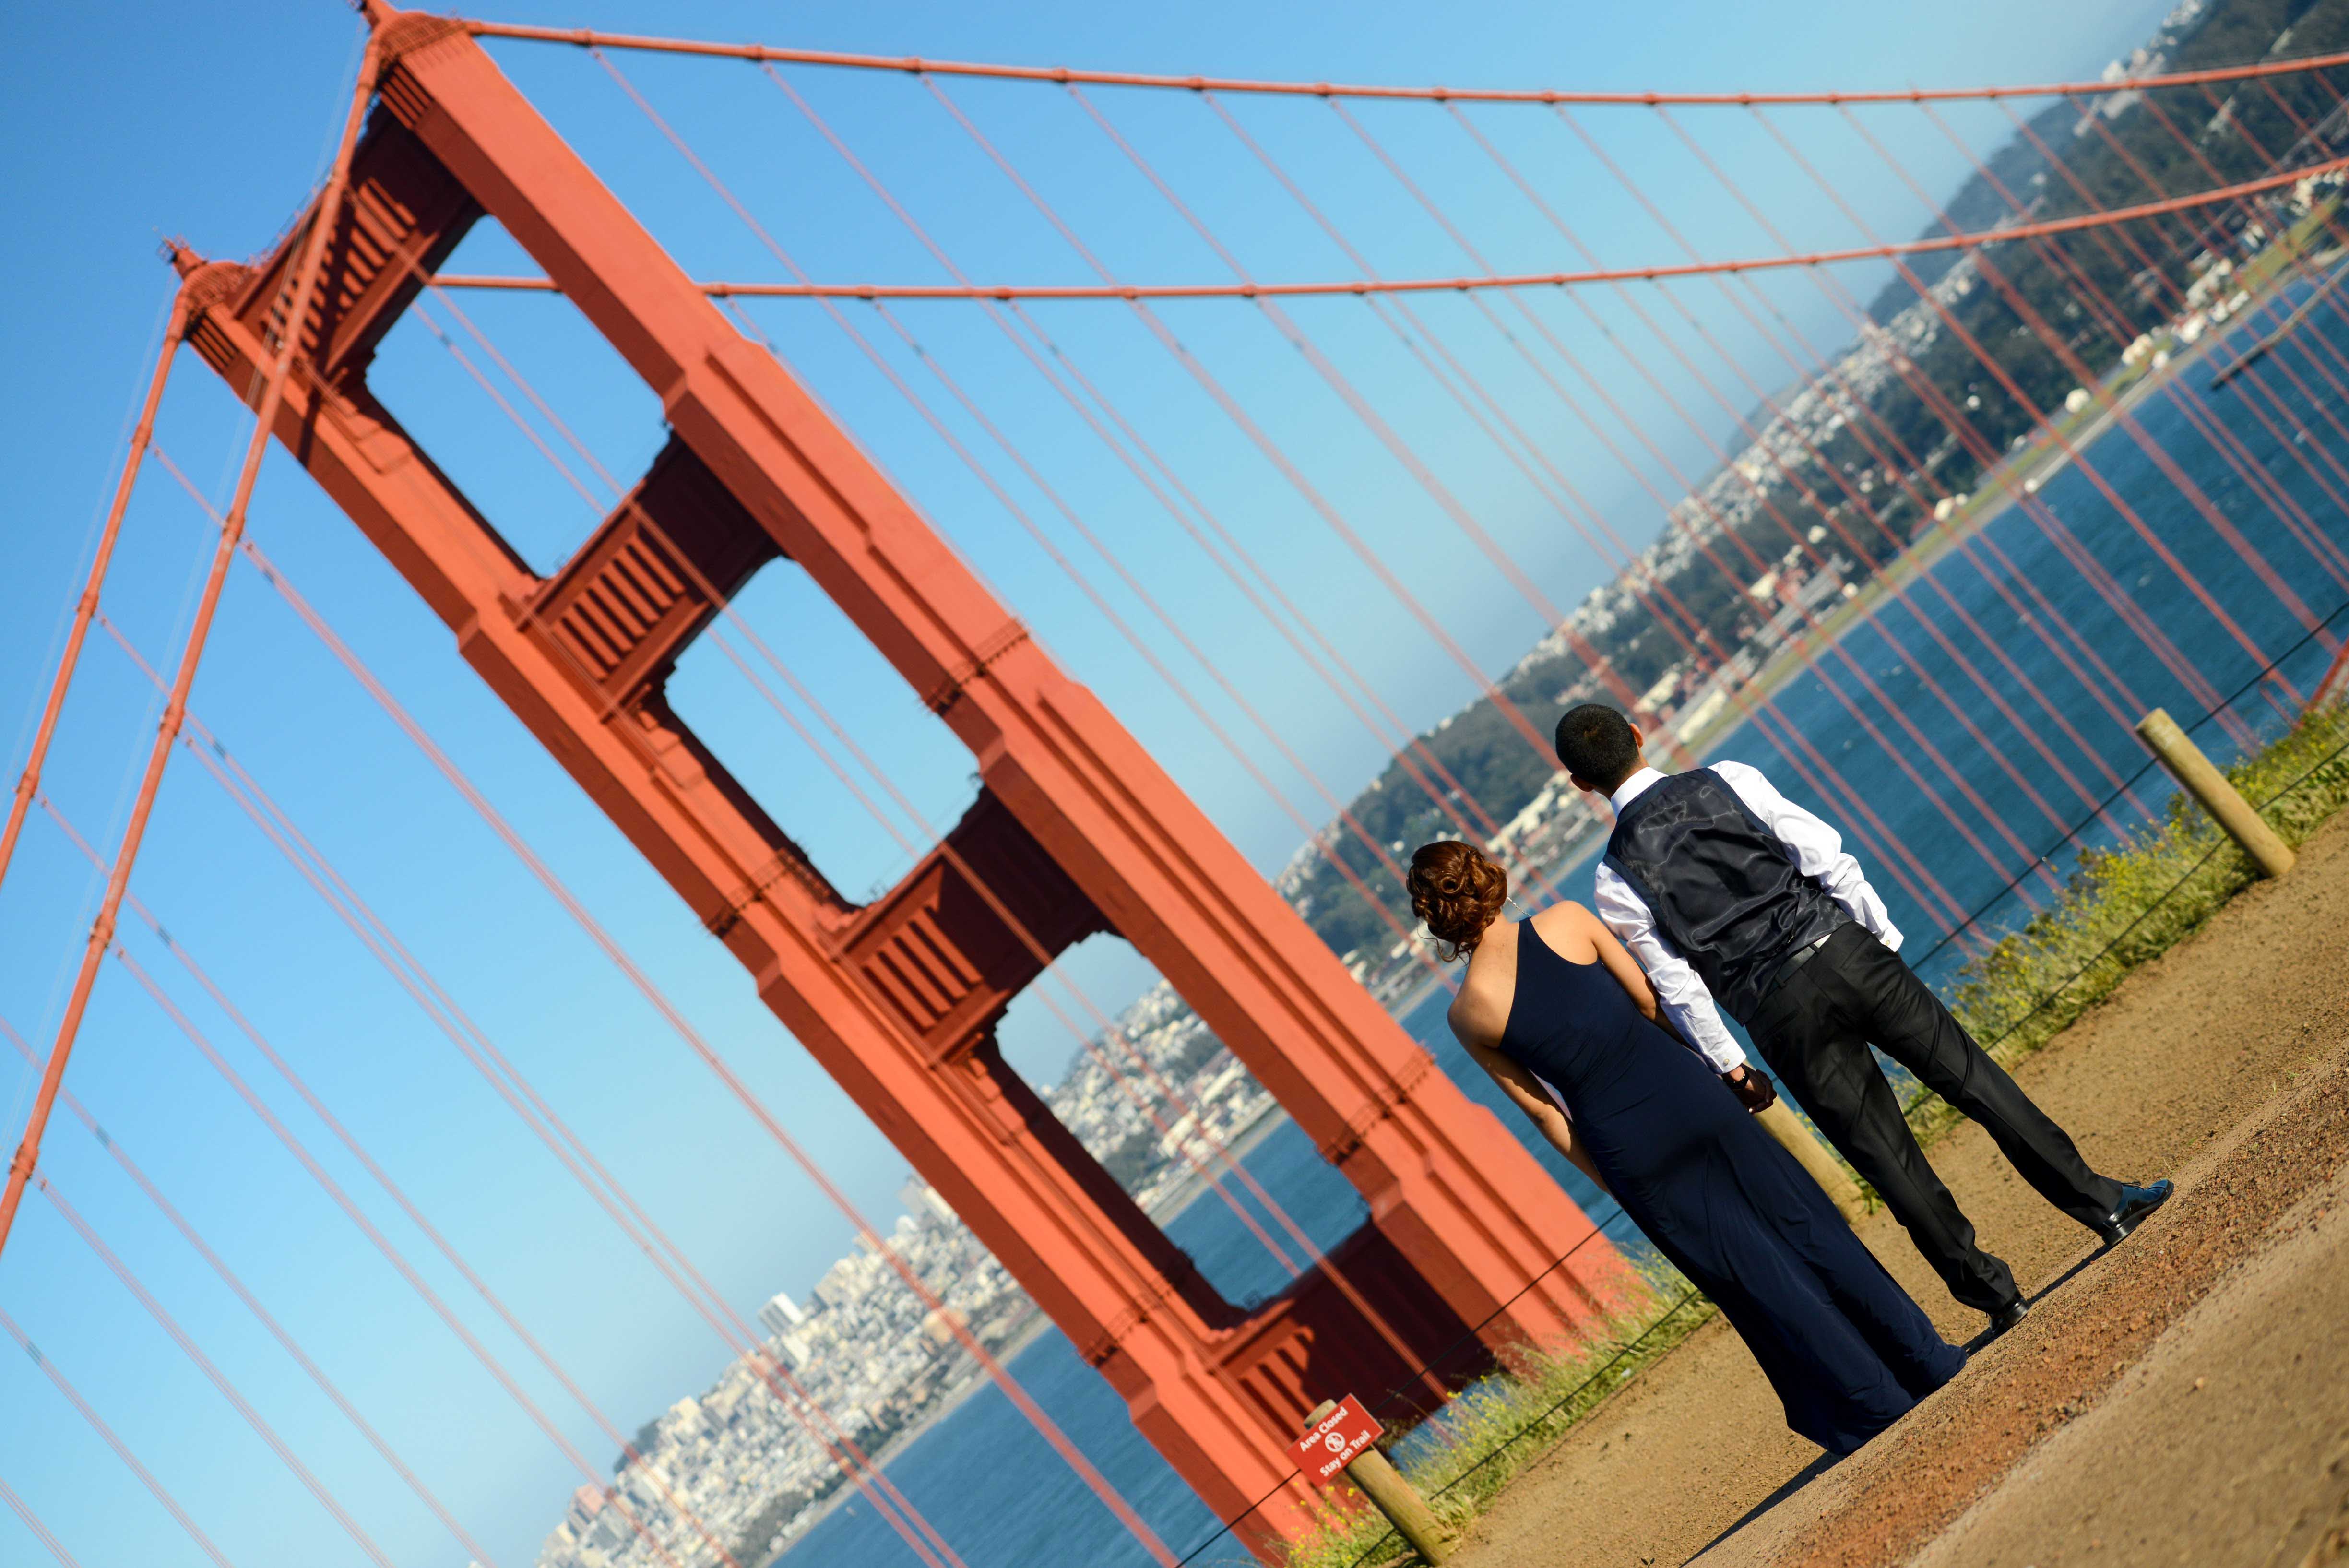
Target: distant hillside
[[1823, 498], [2020, 167]]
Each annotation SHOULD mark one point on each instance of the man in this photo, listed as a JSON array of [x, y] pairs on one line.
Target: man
[[1730, 894]]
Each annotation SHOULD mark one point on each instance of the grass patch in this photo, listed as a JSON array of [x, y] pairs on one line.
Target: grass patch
[[2121, 906], [1464, 1454], [2137, 900]]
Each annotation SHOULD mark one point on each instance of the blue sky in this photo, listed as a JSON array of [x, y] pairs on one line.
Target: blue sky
[[211, 120]]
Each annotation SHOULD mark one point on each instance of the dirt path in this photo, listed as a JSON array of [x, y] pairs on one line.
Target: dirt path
[[2063, 1433], [2231, 1440], [2217, 1063]]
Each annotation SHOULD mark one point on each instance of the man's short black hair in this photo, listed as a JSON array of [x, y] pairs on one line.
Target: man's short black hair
[[1595, 742]]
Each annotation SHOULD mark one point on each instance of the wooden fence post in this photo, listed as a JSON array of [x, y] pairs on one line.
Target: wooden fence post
[[2206, 784], [1379, 1480]]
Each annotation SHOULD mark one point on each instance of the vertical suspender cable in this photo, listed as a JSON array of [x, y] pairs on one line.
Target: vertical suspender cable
[[2110, 685], [130, 1461], [2023, 400], [2156, 641], [1800, 541], [1021, 1398], [1272, 452], [460, 1031], [351, 1210], [2110, 316], [1679, 621], [278, 1331], [1411, 753], [1028, 525], [32, 1521], [212, 1374], [1905, 467], [2057, 345], [1994, 645]]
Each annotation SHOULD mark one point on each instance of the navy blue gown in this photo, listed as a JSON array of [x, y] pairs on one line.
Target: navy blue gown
[[1845, 1347]]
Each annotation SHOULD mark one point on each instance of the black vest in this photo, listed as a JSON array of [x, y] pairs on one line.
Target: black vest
[[1721, 885]]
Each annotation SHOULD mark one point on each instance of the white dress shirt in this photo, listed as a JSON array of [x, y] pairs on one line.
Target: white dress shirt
[[1816, 851]]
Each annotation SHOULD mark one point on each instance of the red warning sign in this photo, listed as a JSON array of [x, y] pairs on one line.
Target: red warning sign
[[1335, 1441]]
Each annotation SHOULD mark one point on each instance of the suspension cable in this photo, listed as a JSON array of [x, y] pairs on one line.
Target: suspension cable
[[1853, 495], [2205, 422], [585, 37], [212, 1374], [1411, 753], [2055, 344], [1907, 471], [1721, 525], [335, 1190], [1100, 603], [1992, 461], [1554, 619], [276, 1330], [1338, 1277], [32, 1521], [312, 252], [130, 1461], [2054, 528], [693, 1039], [1464, 284], [516, 1090], [1623, 560], [2190, 676], [1762, 498], [29, 780]]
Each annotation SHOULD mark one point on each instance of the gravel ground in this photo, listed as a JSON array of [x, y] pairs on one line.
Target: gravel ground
[[2219, 1063], [2228, 1442]]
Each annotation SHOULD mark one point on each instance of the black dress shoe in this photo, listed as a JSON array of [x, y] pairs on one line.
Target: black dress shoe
[[2007, 1316], [2135, 1203]]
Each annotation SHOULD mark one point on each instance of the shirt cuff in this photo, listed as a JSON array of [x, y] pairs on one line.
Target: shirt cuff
[[1716, 1045]]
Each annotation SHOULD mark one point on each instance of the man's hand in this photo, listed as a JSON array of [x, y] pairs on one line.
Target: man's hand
[[1754, 1090]]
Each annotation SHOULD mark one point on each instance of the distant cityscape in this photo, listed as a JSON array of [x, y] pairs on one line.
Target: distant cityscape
[[735, 1466], [747, 1465]]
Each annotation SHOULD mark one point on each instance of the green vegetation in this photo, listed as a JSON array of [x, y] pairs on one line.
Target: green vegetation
[[2133, 902], [2123, 907], [1492, 1430]]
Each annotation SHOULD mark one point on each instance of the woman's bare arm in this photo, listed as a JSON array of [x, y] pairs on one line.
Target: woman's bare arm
[[1530, 1097]]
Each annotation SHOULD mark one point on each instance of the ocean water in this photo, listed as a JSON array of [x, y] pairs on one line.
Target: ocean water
[[1003, 1499]]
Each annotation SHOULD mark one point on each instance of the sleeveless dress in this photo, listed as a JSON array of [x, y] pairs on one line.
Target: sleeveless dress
[[1845, 1347]]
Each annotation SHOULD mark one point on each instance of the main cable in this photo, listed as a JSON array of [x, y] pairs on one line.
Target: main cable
[[588, 37], [1134, 293]]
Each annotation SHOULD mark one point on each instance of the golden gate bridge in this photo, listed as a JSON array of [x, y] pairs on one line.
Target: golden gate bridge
[[1076, 829]]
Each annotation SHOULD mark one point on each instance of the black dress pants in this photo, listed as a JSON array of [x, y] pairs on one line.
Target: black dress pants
[[1815, 1031]]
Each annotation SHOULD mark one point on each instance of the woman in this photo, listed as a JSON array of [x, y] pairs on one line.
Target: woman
[[1556, 998]]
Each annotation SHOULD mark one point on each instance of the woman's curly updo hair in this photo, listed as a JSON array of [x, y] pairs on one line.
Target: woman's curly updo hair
[[1458, 891]]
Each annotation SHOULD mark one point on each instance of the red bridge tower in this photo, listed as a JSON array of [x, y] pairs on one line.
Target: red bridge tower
[[1075, 830]]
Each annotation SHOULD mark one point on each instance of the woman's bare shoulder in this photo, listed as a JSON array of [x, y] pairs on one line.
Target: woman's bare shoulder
[[1481, 1009], [1566, 915]]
